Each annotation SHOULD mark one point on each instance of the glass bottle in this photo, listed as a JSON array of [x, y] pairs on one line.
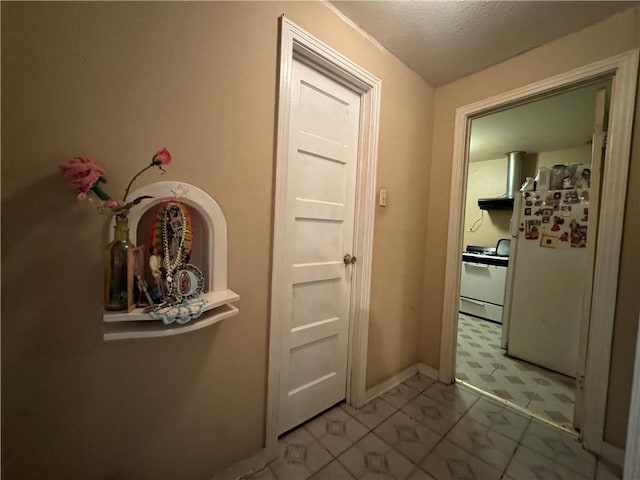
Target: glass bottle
[[115, 266]]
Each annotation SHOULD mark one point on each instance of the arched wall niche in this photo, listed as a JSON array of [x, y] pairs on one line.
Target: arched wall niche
[[209, 254]]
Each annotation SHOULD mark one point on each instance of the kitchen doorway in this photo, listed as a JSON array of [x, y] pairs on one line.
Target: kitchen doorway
[[594, 359], [520, 309]]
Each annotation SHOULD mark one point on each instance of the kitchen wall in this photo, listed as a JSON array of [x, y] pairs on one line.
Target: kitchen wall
[[617, 34], [117, 81], [488, 178]]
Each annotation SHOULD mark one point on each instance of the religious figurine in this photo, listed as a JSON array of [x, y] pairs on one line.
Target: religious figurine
[[155, 265]]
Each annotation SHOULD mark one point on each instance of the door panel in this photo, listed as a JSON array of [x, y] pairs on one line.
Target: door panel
[[313, 302], [324, 127]]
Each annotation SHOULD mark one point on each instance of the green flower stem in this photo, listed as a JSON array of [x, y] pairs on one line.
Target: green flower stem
[[126, 192], [101, 194]]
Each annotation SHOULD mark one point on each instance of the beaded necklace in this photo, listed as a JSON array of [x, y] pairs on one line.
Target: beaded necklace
[[170, 266]]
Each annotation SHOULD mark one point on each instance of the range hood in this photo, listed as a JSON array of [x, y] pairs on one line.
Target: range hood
[[514, 174]]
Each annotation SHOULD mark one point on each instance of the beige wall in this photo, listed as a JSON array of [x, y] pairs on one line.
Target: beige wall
[[117, 81], [614, 35]]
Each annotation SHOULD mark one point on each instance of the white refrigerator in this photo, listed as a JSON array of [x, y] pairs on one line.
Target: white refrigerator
[[545, 294]]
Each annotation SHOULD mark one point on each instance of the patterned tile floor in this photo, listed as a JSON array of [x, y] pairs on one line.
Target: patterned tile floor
[[423, 430], [482, 363]]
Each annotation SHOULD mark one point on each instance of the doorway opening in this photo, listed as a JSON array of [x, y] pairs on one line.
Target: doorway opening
[[525, 268], [592, 379]]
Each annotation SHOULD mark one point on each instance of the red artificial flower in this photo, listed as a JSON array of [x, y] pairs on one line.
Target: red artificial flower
[[163, 157]]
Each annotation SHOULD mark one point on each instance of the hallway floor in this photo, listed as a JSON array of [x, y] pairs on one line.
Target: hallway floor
[[482, 363], [423, 430]]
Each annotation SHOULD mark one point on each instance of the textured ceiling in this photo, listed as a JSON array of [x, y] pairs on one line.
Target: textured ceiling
[[446, 40]]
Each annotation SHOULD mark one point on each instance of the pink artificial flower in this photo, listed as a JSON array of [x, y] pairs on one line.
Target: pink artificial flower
[[81, 173], [162, 157]]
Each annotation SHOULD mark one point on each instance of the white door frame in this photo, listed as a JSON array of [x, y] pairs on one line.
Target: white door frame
[[624, 69], [632, 454], [301, 45]]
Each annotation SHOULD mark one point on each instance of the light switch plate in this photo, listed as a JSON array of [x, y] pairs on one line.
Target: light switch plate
[[382, 197]]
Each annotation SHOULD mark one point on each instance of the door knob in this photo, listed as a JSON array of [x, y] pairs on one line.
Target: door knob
[[348, 259]]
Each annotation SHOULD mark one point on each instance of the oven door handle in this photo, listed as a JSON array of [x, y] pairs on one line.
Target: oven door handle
[[475, 302], [473, 264]]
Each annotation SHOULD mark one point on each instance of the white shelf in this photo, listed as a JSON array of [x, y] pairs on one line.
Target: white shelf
[[114, 330], [213, 299]]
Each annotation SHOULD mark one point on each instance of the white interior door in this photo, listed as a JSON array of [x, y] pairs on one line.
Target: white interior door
[[323, 152], [597, 158]]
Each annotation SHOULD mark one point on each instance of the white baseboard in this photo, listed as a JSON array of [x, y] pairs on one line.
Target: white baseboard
[[389, 383], [428, 371], [400, 377], [613, 454], [244, 468]]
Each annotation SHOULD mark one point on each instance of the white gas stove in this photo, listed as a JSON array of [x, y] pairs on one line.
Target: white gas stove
[[483, 280]]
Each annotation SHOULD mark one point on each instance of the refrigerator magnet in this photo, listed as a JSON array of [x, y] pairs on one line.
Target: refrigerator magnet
[[579, 236], [545, 218], [528, 203], [565, 210], [564, 237], [531, 229], [555, 227], [537, 203], [558, 220], [549, 241], [571, 197], [527, 211], [557, 195]]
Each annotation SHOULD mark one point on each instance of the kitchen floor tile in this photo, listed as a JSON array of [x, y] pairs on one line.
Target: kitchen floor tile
[[419, 382], [419, 474], [529, 465], [432, 414], [499, 418], [407, 436], [373, 413], [482, 442], [450, 462], [299, 456], [333, 471], [454, 396], [400, 395], [482, 363], [336, 430], [560, 447], [371, 458]]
